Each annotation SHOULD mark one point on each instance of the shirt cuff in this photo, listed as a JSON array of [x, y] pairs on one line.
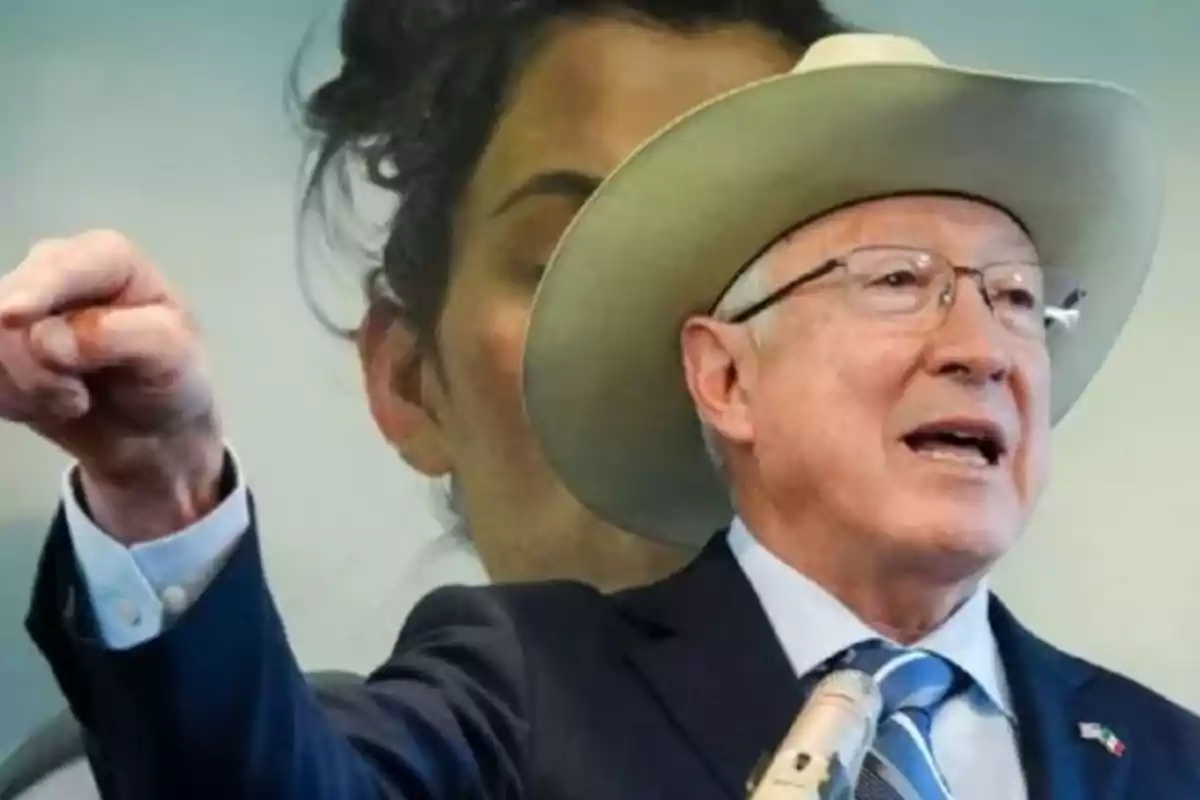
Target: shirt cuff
[[136, 591]]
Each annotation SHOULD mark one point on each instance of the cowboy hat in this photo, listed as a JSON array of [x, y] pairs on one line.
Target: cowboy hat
[[861, 116]]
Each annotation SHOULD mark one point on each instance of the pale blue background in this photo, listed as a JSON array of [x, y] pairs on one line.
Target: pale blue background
[[164, 119]]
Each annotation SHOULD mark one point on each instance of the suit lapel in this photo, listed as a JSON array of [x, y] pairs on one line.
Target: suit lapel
[[1047, 687], [712, 660]]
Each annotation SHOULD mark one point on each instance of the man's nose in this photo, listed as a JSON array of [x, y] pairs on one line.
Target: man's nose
[[971, 345]]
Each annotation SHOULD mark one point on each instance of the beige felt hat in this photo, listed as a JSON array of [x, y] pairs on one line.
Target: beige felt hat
[[861, 116]]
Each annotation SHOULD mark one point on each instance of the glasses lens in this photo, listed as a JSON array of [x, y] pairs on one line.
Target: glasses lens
[[1018, 296], [887, 280]]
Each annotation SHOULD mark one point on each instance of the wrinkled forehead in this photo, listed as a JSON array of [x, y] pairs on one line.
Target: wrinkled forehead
[[966, 230]]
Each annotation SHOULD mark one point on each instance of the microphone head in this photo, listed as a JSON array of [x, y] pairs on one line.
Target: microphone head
[[822, 754]]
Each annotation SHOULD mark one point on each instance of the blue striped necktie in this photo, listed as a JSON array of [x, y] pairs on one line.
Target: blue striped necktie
[[913, 683]]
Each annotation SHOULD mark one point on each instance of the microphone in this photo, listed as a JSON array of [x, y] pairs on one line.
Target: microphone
[[822, 754]]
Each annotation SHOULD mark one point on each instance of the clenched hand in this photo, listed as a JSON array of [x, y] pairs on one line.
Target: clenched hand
[[100, 357]]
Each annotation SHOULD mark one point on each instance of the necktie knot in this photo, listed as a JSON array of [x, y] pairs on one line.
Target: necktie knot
[[908, 680]]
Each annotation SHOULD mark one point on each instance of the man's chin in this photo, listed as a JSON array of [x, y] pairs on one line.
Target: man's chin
[[951, 550]]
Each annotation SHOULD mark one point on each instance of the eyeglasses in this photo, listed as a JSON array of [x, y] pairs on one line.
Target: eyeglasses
[[891, 281]]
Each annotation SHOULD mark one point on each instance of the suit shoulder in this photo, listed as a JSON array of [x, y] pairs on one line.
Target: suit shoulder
[[1156, 708], [1144, 717], [539, 594], [1108, 694], [511, 605], [511, 632]]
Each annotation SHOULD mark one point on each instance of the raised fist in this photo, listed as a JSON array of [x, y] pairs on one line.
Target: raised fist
[[100, 357]]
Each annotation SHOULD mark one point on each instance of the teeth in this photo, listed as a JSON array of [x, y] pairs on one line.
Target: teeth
[[965, 455]]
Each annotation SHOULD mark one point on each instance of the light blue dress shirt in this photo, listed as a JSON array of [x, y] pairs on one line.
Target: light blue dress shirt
[[135, 592]]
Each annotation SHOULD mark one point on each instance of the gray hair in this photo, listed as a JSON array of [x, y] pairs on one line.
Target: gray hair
[[750, 287]]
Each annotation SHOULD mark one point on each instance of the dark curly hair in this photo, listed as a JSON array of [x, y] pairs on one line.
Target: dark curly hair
[[422, 85]]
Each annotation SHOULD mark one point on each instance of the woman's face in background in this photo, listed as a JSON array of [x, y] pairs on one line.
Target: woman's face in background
[[594, 91]]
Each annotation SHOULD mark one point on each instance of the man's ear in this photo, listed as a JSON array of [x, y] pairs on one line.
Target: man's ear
[[719, 365], [400, 391]]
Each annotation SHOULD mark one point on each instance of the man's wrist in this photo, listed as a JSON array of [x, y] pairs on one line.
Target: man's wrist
[[156, 503]]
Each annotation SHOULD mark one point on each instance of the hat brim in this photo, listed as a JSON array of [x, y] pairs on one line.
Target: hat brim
[[661, 239]]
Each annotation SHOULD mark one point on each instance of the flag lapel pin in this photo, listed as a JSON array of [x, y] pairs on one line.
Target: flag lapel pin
[[1095, 732]]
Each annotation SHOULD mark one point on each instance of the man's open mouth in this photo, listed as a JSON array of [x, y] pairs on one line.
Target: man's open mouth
[[976, 443]]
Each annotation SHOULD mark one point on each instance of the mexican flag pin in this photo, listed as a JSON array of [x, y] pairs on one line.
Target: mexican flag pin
[[1093, 731]]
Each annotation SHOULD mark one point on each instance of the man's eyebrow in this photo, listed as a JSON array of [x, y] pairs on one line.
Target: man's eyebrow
[[562, 182]]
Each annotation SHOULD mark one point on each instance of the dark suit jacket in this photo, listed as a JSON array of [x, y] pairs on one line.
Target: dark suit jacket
[[549, 691], [59, 744]]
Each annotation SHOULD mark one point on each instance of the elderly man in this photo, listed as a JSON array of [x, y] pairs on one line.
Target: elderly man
[[874, 386]]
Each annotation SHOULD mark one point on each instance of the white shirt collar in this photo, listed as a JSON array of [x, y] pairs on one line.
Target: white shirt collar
[[824, 627]]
